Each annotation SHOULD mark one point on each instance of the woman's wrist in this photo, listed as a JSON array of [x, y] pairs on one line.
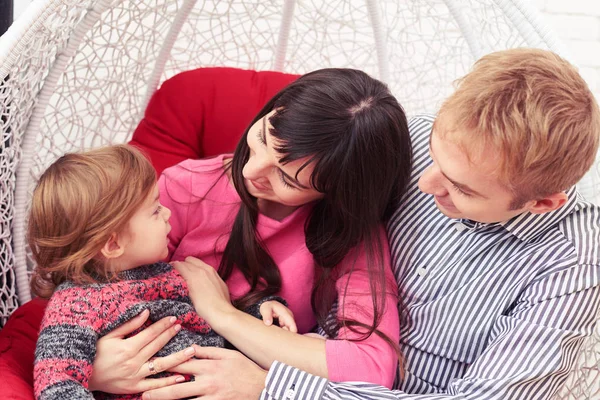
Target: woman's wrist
[[216, 313], [223, 317]]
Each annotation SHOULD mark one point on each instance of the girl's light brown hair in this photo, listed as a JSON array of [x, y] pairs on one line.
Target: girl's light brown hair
[[79, 202], [536, 110]]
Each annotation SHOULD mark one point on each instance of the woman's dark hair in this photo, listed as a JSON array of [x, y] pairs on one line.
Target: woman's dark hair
[[355, 132]]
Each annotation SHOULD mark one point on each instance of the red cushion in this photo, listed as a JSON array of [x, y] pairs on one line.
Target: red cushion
[[195, 114], [17, 346], [203, 112]]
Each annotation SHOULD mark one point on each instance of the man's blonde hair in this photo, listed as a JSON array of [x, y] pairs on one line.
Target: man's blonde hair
[[535, 109], [79, 202]]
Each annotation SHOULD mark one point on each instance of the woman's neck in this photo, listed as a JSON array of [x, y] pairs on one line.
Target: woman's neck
[[273, 210]]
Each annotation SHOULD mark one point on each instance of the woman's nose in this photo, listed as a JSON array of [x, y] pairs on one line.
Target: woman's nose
[[256, 167]]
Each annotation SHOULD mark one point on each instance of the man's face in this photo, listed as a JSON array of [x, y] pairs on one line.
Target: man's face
[[466, 188]]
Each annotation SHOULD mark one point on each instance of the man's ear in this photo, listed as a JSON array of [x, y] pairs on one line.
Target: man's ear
[[548, 203], [113, 247]]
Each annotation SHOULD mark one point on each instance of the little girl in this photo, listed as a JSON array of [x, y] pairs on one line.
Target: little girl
[[97, 232]]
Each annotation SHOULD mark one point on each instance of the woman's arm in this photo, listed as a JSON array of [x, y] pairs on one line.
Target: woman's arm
[[263, 344], [371, 359]]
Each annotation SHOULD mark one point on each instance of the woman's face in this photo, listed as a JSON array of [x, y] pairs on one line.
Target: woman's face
[[267, 179]]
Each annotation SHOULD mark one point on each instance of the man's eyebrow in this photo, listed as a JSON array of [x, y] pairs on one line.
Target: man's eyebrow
[[464, 187], [461, 186]]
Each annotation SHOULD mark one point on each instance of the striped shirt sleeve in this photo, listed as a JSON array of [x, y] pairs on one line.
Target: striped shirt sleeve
[[529, 356]]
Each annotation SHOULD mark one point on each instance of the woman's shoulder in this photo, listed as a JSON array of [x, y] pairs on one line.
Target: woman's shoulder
[[204, 166], [195, 177]]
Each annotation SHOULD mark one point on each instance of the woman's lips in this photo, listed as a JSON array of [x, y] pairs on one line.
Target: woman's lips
[[259, 186]]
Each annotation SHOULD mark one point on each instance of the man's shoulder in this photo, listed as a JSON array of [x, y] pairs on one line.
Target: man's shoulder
[[581, 228], [419, 127]]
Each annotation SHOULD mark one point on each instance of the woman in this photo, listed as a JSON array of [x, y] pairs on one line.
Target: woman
[[299, 211]]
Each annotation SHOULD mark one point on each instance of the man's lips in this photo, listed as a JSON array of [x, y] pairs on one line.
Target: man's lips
[[445, 203]]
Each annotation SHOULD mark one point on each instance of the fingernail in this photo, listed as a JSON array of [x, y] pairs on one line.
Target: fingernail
[[189, 351], [177, 328], [179, 379], [172, 320]]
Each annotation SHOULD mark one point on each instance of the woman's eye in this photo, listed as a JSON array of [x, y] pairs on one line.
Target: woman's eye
[[284, 182], [260, 138], [158, 209]]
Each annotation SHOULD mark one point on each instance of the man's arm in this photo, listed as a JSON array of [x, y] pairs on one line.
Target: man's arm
[[529, 354]]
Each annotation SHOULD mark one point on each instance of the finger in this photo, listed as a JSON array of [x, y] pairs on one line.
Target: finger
[[196, 261], [129, 326], [290, 324], [161, 364], [214, 353], [194, 367], [180, 391], [156, 342], [151, 384]]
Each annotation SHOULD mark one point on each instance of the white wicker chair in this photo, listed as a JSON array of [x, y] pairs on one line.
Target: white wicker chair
[[78, 73]]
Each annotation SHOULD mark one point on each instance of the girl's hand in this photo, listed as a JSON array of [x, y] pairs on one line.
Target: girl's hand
[[274, 309], [122, 365], [213, 377], [208, 292]]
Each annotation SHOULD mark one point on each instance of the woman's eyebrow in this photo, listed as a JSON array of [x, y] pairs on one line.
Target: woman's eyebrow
[[285, 174], [264, 129]]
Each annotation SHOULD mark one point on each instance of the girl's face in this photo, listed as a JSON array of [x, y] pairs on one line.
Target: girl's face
[[267, 179], [145, 238]]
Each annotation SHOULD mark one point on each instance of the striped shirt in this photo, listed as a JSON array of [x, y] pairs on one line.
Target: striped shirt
[[491, 311]]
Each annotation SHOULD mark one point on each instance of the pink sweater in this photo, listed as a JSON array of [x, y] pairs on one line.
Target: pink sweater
[[201, 222]]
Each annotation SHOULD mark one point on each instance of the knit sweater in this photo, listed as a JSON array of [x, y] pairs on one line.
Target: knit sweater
[[78, 315]]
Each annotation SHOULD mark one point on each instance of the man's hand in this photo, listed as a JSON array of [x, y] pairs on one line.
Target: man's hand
[[219, 374]]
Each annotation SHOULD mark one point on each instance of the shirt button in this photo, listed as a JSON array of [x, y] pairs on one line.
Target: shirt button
[[421, 271], [459, 227], [289, 394]]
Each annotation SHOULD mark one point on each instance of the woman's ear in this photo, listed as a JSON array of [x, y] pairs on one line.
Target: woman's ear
[[548, 203], [113, 248]]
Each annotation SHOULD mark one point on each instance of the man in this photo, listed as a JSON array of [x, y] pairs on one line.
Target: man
[[497, 256]]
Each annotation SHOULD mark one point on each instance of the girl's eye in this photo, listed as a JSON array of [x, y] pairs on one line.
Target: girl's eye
[[158, 210], [260, 138], [456, 188]]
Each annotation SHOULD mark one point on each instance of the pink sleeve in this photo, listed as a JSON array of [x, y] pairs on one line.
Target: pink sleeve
[[373, 359], [174, 186]]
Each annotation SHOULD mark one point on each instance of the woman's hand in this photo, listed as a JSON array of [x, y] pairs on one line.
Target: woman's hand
[[214, 373], [208, 292], [121, 365]]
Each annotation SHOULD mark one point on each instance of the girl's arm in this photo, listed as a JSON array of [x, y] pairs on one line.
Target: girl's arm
[[66, 346]]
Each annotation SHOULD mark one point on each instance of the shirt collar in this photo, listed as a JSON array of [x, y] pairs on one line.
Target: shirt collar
[[528, 226]]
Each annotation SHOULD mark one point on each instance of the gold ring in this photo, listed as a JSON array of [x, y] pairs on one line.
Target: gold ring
[[151, 367]]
